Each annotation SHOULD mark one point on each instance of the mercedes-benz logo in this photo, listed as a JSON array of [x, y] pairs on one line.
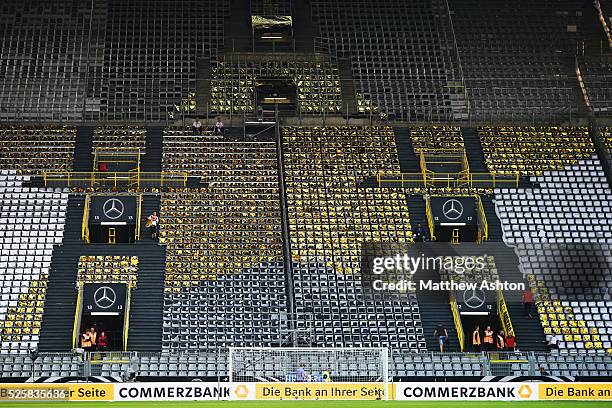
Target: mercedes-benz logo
[[474, 298], [452, 209], [104, 297], [113, 208]]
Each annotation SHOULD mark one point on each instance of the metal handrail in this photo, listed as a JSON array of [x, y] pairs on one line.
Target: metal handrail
[[76, 179], [429, 178], [483, 219], [457, 320], [502, 311], [430, 220]]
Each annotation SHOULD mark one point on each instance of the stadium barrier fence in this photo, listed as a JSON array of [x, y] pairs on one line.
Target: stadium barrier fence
[[215, 365]]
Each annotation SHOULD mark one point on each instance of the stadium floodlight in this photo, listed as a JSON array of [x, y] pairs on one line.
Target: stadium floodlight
[[306, 364]]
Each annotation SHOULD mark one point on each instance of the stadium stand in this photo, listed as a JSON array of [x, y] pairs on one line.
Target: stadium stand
[[266, 242], [607, 136], [331, 217], [596, 74], [517, 58], [234, 78], [531, 150], [119, 137], [402, 56], [223, 243], [115, 269], [30, 149], [44, 60], [568, 232], [436, 137], [32, 223]]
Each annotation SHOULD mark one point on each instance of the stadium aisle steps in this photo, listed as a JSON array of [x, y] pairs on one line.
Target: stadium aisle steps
[[435, 308], [83, 157], [146, 314], [495, 229], [409, 162], [147, 298], [61, 297], [417, 211], [529, 333], [473, 150], [151, 161], [347, 87]]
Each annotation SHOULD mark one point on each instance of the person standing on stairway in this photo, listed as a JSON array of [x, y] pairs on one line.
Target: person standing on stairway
[[442, 336], [528, 303], [419, 233], [153, 224]]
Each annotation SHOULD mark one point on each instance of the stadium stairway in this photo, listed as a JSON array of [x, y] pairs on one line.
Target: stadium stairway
[[151, 161], [495, 229], [417, 211], [146, 310], [529, 332], [147, 299], [409, 162], [83, 157], [61, 296], [473, 150], [433, 313], [435, 308], [347, 87]]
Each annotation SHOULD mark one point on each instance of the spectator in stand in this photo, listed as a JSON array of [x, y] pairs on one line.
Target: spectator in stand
[[419, 233], [442, 336], [476, 339], [86, 340], [196, 127], [542, 371], [153, 224], [488, 339], [510, 342], [219, 128], [553, 342], [102, 342], [501, 341], [528, 302]]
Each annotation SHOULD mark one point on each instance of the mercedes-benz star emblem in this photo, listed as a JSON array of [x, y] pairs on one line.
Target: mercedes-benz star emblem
[[474, 298], [113, 208], [452, 209], [104, 297]]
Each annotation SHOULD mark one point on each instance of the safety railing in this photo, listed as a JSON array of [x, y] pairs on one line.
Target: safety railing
[[457, 320], [460, 180], [77, 316], [80, 365], [504, 314], [483, 225], [430, 219], [115, 180], [85, 221], [138, 217]]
